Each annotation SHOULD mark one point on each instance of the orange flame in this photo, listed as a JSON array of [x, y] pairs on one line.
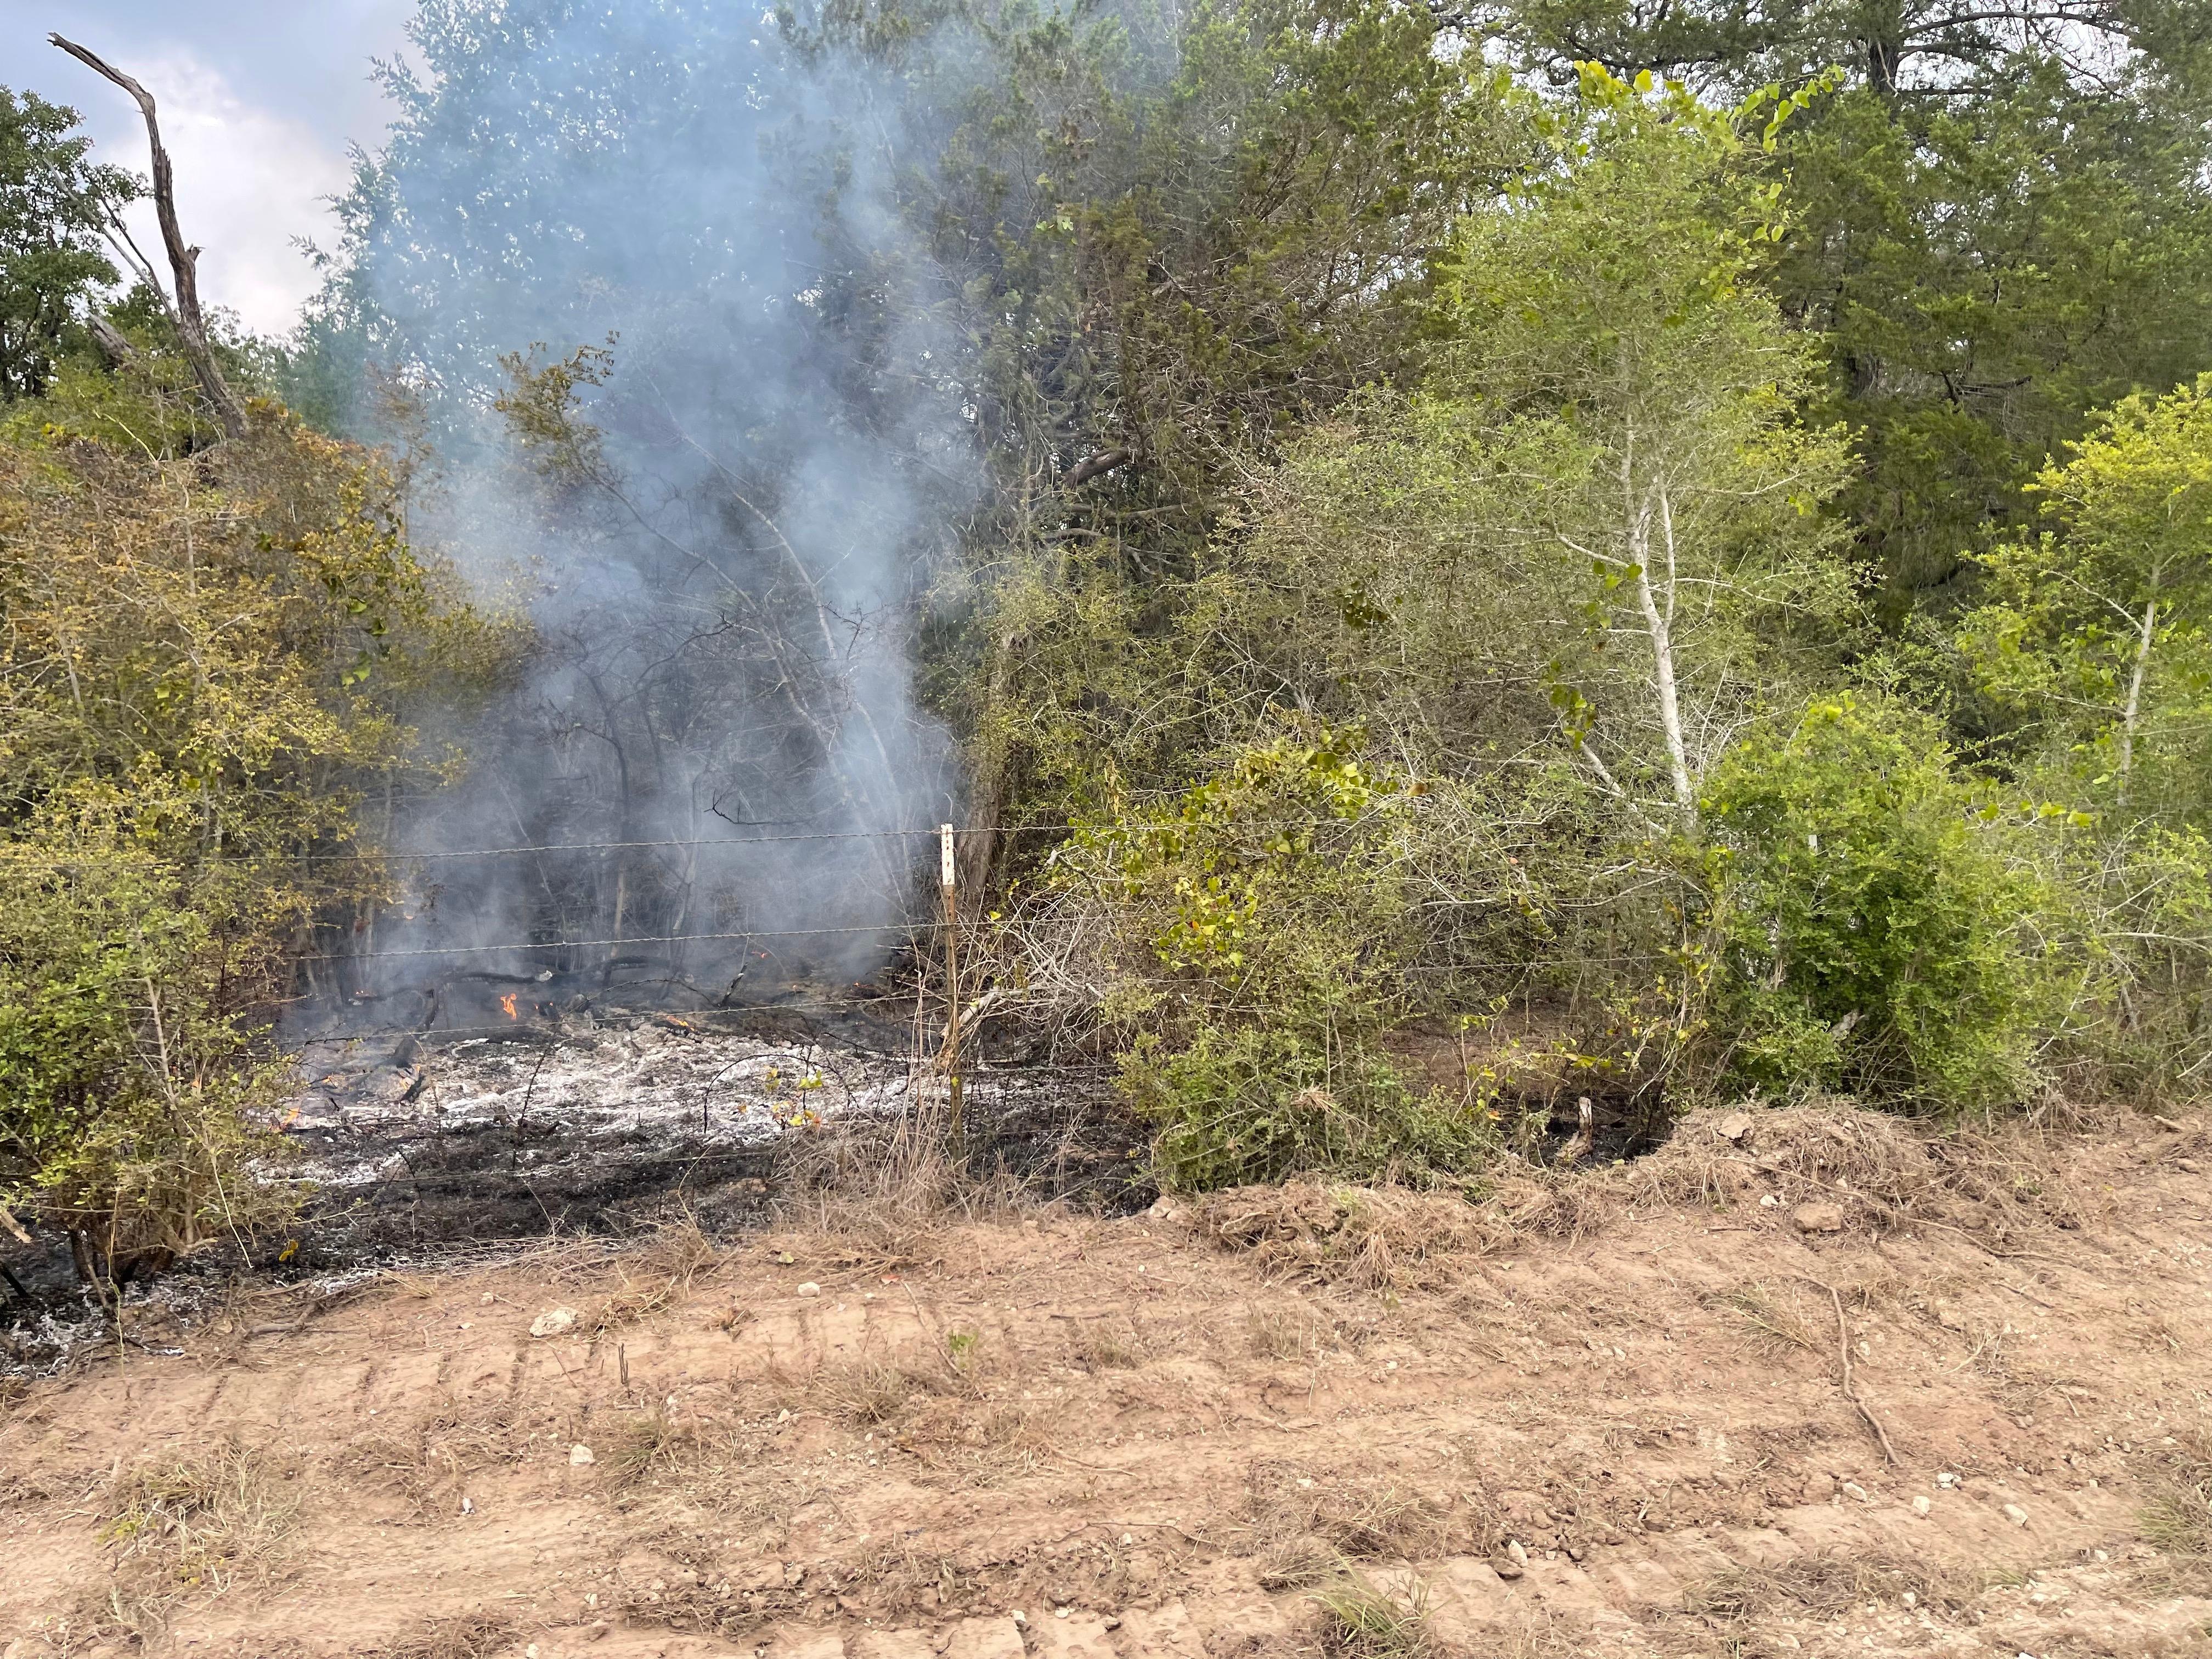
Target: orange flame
[[506, 1003]]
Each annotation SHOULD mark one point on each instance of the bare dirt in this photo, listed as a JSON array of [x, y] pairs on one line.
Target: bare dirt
[[1639, 1411]]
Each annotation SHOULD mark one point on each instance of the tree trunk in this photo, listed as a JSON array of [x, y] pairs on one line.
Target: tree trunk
[[1660, 621], [184, 259], [2132, 714]]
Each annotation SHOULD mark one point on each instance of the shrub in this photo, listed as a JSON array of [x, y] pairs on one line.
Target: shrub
[[209, 664], [1261, 1102], [1872, 926]]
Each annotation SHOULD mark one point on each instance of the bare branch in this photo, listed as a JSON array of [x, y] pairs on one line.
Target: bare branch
[[184, 259]]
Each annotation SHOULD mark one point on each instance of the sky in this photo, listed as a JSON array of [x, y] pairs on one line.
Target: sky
[[259, 101]]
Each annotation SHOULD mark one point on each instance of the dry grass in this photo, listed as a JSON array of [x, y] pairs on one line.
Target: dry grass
[[1999, 1184], [1359, 1620], [650, 1443], [657, 1275], [187, 1527], [460, 1636], [1377, 1238], [885, 1189], [1282, 1333], [1769, 1317], [867, 1393], [424, 1461], [1822, 1586], [1290, 1512], [1100, 1344], [2177, 1521]]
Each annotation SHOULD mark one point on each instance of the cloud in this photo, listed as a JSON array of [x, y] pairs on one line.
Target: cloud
[[249, 183]]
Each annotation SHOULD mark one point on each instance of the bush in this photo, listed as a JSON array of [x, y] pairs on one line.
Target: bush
[[1256, 934], [209, 664], [1261, 1102], [1872, 927]]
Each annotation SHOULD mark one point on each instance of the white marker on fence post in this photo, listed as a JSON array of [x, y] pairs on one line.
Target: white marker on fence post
[[949, 877]]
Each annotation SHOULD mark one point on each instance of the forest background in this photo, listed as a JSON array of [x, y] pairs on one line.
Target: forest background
[[1454, 559]]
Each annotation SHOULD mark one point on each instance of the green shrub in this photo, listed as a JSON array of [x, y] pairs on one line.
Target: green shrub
[[1258, 930], [1261, 1102], [1873, 929]]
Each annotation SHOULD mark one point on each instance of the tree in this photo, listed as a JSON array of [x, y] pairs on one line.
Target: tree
[[2000, 223], [1649, 388], [56, 205], [2094, 636]]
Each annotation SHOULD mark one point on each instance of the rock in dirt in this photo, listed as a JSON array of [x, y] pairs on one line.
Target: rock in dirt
[[1736, 1126], [810, 1288], [1505, 1566], [580, 1456], [2016, 1514], [1818, 1217], [554, 1322]]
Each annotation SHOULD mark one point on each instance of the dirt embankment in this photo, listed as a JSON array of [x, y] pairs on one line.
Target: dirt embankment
[[1799, 1383]]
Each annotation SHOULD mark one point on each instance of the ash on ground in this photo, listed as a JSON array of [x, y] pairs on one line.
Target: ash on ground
[[422, 1148]]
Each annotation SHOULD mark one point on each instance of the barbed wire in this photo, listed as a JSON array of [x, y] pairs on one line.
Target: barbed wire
[[637, 939], [366, 855]]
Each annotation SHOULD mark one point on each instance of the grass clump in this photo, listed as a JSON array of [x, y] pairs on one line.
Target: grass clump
[[1359, 1620], [193, 1526]]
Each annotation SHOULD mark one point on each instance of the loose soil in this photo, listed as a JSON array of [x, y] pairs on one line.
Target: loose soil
[[1637, 1411]]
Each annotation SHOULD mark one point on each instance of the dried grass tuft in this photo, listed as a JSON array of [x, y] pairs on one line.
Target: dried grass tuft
[[2177, 1521], [1289, 1510], [457, 1636], [884, 1188], [1282, 1333], [1822, 1586], [1359, 1620], [423, 1462], [1377, 1238], [1770, 1317], [199, 1526]]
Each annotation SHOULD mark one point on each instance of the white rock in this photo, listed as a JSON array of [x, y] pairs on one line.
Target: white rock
[[1921, 1506], [2016, 1514], [1946, 1481], [1852, 1488], [810, 1288], [553, 1322], [1517, 1552], [579, 1456]]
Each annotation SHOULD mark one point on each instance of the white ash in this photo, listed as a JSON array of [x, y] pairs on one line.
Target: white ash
[[656, 1082]]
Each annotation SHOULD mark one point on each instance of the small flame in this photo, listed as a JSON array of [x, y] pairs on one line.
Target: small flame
[[506, 1003]]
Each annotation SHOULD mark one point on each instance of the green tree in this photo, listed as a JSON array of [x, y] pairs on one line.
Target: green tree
[[1651, 443], [2000, 222], [2094, 636], [56, 205]]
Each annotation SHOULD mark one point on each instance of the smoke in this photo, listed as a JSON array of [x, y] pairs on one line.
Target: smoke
[[721, 577]]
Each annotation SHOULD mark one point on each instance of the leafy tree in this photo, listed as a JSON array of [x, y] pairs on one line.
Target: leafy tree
[[56, 206], [1999, 221], [2095, 634], [1615, 312]]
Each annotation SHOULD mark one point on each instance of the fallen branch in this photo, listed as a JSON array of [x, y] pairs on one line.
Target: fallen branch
[[1851, 1390], [1096, 466]]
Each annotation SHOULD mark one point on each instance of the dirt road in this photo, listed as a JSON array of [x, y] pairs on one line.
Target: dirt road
[[1638, 1411]]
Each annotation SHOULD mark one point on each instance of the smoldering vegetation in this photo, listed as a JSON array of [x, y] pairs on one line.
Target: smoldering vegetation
[[713, 497]]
